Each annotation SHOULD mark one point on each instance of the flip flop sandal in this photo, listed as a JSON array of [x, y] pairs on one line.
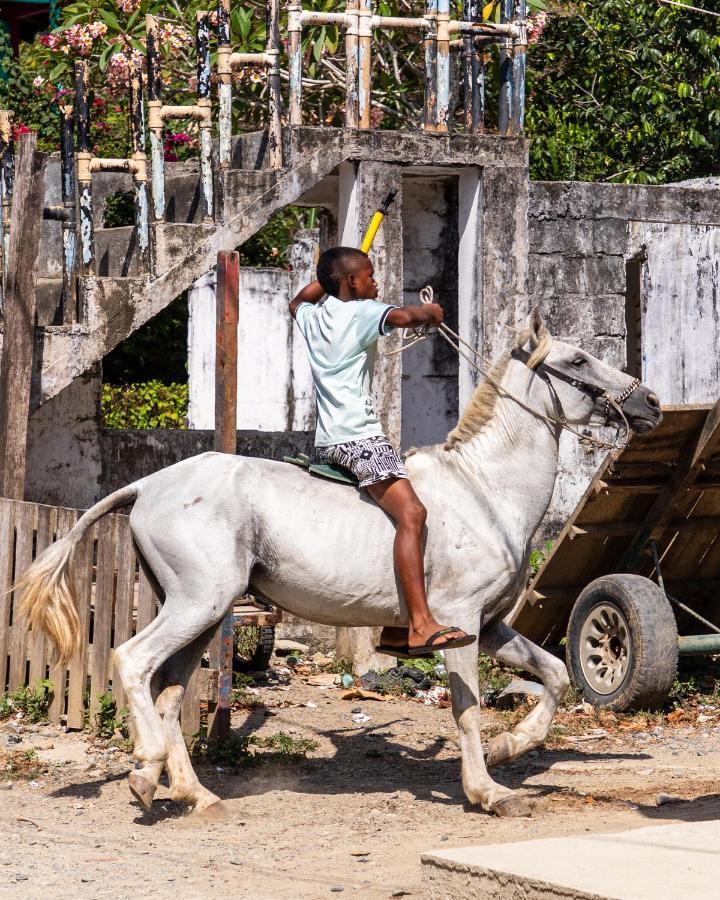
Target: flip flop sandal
[[404, 652], [431, 647]]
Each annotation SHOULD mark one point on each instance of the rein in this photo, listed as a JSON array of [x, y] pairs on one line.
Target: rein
[[415, 335]]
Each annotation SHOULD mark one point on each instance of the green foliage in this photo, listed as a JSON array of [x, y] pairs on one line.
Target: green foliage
[[624, 92], [119, 210], [269, 248], [241, 749], [538, 557], [147, 405], [108, 719], [493, 677], [34, 703], [341, 666]]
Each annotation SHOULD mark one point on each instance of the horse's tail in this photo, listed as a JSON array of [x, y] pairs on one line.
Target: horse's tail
[[48, 594]]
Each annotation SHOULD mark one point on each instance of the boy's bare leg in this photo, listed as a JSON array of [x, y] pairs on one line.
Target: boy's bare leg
[[398, 499]]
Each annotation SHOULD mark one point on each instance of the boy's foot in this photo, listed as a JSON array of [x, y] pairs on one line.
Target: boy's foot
[[404, 642]]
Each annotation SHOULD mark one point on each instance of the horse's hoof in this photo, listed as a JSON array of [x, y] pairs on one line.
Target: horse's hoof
[[512, 807], [215, 811], [142, 789], [499, 750]]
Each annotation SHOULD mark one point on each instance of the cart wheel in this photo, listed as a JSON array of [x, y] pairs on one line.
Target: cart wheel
[[622, 643], [253, 648]]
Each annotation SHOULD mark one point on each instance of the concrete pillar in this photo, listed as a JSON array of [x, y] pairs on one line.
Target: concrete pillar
[[470, 275], [201, 352], [362, 187]]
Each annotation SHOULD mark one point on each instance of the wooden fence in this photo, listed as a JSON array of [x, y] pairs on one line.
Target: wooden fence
[[115, 598]]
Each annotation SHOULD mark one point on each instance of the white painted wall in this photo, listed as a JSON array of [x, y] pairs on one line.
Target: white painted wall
[[274, 379]]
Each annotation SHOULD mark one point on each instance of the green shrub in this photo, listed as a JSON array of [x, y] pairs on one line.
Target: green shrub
[[151, 404], [33, 702]]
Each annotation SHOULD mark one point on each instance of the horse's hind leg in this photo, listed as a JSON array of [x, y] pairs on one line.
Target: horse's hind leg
[[507, 646], [179, 623], [171, 682]]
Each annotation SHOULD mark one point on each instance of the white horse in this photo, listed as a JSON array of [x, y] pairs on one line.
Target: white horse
[[210, 528]]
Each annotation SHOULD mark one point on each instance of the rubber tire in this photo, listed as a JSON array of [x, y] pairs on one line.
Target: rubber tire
[[260, 660], [653, 635]]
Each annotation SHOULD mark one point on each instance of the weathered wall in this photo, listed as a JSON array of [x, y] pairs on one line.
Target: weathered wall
[[583, 239]]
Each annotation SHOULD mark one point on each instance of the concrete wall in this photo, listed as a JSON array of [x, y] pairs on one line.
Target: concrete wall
[[607, 259]]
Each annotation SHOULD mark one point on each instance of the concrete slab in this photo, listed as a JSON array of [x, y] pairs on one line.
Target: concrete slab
[[658, 863]]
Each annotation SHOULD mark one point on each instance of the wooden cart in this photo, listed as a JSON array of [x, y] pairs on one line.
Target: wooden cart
[[632, 581]]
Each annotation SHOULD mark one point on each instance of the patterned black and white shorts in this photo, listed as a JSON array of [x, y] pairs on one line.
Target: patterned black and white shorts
[[371, 460]]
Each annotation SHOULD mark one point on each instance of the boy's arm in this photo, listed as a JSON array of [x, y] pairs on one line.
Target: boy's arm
[[413, 316], [311, 293]]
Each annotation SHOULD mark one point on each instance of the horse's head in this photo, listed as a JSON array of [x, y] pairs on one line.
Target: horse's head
[[582, 389]]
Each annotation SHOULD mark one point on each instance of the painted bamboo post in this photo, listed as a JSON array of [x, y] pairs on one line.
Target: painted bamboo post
[[69, 226], [202, 44], [430, 56], [272, 54], [443, 65], [224, 84], [505, 74], [352, 74], [226, 348], [473, 72], [83, 158], [294, 28], [137, 122], [155, 122], [517, 118], [7, 169], [364, 14]]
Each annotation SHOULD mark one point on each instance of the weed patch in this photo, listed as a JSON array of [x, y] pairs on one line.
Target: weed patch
[[21, 765], [241, 750], [108, 719], [33, 703]]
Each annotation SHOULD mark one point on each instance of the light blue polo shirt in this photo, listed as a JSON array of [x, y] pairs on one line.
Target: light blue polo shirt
[[341, 337]]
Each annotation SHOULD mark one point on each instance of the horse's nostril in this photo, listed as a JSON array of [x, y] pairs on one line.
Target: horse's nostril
[[652, 401]]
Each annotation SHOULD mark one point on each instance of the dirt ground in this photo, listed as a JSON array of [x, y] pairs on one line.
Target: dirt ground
[[353, 818]]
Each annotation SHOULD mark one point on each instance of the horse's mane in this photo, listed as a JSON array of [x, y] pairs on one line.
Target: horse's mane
[[481, 408]]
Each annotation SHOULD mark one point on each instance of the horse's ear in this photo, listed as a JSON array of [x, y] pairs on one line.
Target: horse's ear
[[536, 325]]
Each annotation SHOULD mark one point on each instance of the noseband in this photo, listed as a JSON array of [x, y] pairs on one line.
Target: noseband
[[591, 390]]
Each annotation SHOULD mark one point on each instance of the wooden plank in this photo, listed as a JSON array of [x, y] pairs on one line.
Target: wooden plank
[[124, 597], [615, 529], [102, 611], [7, 555], [147, 603], [66, 519], [19, 315], [46, 523], [194, 696], [663, 508], [77, 678], [25, 519]]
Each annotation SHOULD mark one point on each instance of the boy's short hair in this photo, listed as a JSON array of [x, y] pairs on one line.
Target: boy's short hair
[[334, 264]]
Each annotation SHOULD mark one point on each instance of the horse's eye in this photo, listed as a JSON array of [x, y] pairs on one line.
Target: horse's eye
[[579, 361]]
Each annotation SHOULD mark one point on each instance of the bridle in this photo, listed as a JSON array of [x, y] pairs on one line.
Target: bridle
[[610, 402]]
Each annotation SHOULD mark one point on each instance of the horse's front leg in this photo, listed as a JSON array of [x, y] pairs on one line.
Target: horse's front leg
[[478, 785], [507, 646]]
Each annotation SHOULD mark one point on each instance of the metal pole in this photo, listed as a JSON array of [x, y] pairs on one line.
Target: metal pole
[[294, 28], [137, 122], [202, 44], [69, 225], [224, 84], [364, 61], [430, 55], [226, 347], [505, 74], [83, 157], [352, 116], [272, 51], [443, 65], [518, 69], [154, 90]]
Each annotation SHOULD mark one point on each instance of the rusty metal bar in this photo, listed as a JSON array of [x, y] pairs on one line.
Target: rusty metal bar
[[517, 117], [294, 28], [7, 173], [505, 73], [430, 56], [352, 114], [83, 158], [69, 225], [364, 14], [202, 45], [224, 84], [443, 66], [272, 54], [154, 89], [137, 123]]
